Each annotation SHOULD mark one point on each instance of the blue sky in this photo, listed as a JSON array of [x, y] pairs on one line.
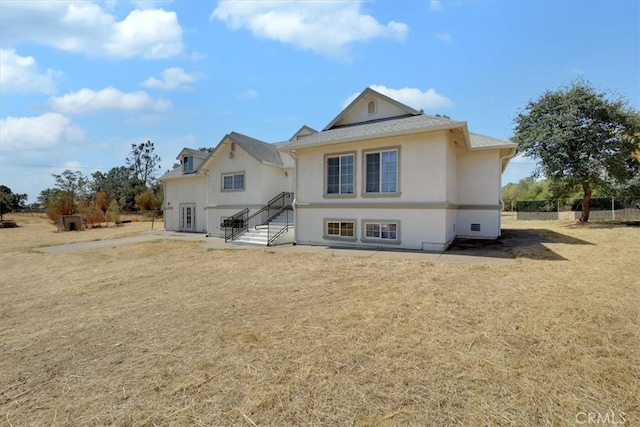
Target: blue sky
[[81, 81]]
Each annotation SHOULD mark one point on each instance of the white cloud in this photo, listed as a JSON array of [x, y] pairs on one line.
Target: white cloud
[[86, 28], [31, 133], [19, 74], [324, 27], [87, 101], [444, 37], [149, 4], [435, 4], [413, 97], [172, 79], [248, 94]]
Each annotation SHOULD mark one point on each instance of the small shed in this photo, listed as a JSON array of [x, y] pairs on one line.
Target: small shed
[[70, 222]]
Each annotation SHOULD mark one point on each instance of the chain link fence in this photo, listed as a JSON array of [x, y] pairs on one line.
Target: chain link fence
[[602, 209]]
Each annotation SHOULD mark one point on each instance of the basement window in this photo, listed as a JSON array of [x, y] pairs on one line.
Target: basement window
[[475, 227]]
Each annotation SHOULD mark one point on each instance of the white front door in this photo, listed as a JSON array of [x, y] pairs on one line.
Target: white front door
[[188, 217]]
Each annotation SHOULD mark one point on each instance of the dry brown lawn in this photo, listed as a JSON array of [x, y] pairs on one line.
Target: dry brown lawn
[[167, 333]]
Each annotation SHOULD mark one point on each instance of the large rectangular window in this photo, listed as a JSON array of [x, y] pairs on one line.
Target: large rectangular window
[[233, 181], [381, 230], [340, 171], [381, 172], [341, 228]]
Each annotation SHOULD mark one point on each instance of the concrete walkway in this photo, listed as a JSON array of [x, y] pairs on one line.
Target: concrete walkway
[[474, 256]]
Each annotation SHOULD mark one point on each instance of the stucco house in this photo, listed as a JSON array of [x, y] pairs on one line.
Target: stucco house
[[382, 174], [239, 173], [185, 190]]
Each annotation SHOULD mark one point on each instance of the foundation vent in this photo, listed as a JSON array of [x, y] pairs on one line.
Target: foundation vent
[[475, 227]]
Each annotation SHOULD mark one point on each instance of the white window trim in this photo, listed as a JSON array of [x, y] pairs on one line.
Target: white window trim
[[328, 236], [396, 193], [233, 174], [366, 239], [326, 175]]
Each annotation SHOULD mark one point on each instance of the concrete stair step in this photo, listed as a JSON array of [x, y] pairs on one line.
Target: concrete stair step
[[258, 236]]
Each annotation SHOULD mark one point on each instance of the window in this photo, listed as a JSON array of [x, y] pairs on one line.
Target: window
[[340, 228], [371, 107], [381, 230], [187, 164], [233, 182], [340, 174], [381, 172]]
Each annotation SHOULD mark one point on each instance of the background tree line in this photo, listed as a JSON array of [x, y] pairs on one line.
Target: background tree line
[[103, 196]]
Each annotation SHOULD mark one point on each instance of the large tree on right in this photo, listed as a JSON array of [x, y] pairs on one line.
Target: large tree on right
[[582, 138]]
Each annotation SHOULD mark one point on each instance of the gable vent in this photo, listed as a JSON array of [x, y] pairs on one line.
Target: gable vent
[[475, 227]]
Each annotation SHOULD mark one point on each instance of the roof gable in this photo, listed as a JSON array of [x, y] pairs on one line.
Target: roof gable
[[369, 106], [303, 131], [191, 152], [261, 151]]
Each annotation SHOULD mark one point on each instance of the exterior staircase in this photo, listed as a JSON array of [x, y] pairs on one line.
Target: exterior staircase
[[259, 235]]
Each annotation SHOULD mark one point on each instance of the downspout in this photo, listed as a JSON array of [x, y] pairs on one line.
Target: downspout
[[164, 204], [206, 201], [508, 156], [295, 196]]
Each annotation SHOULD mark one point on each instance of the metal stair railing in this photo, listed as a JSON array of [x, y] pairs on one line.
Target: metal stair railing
[[277, 232], [241, 222], [235, 225]]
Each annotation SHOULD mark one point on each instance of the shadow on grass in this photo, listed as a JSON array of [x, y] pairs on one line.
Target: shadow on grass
[[516, 243], [596, 225]]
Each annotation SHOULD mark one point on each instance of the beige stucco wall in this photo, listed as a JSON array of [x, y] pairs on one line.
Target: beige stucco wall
[[418, 229], [478, 193], [420, 207], [443, 189], [478, 177], [451, 190], [262, 182], [421, 175], [189, 189]]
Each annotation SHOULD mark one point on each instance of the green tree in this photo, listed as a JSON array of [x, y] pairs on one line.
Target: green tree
[[71, 188], [6, 200], [113, 213], [144, 162], [73, 184], [10, 201], [116, 183], [582, 138]]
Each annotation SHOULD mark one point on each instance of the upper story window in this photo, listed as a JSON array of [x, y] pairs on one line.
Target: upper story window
[[381, 173], [233, 181], [371, 107], [187, 164], [340, 170]]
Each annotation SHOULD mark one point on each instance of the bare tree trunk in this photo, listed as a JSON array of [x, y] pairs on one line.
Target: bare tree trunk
[[586, 202]]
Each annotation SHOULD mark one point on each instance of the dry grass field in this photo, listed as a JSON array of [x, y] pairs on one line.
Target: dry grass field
[[168, 333]]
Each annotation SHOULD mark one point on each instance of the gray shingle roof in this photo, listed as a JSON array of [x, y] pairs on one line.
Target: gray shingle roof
[[375, 129], [177, 171], [484, 141], [262, 151], [196, 153]]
